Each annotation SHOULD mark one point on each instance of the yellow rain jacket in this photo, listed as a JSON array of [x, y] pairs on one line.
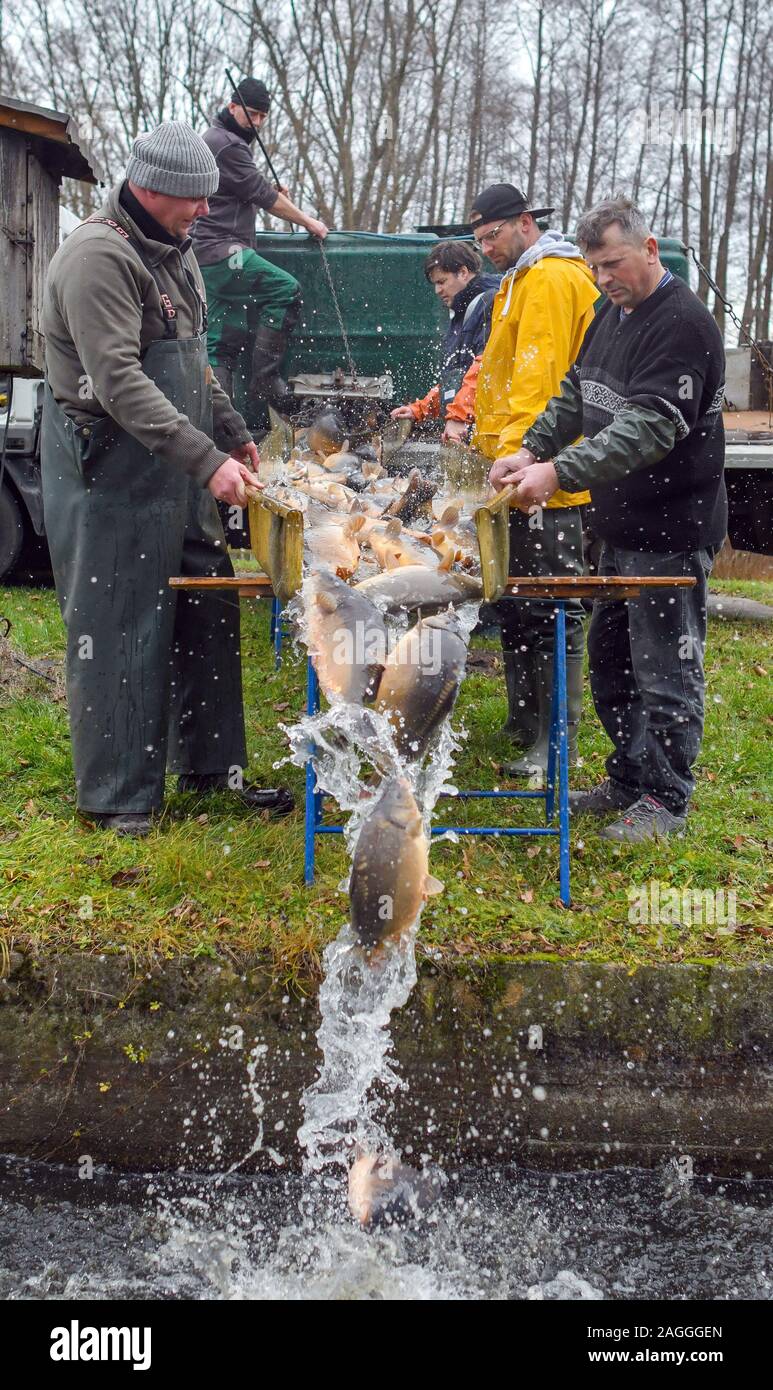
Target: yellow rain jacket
[[538, 321]]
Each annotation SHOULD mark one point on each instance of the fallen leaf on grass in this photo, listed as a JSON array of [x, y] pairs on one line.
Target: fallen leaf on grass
[[760, 670], [532, 851], [262, 864], [202, 819], [124, 876], [528, 896], [284, 705]]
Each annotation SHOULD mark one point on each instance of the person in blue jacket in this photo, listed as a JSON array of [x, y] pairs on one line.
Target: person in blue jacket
[[454, 269]]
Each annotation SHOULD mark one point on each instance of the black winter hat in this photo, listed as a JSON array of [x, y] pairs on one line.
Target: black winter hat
[[503, 200], [254, 94]]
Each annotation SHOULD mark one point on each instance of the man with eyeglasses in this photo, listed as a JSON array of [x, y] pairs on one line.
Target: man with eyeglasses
[[539, 318], [253, 305]]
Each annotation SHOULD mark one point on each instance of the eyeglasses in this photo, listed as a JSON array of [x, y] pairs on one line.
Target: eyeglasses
[[489, 236]]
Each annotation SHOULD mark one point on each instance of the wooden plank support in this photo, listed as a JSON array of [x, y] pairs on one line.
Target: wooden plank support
[[556, 586]]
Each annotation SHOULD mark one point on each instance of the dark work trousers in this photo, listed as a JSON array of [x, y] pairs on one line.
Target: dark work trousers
[[646, 674], [547, 540], [153, 679]]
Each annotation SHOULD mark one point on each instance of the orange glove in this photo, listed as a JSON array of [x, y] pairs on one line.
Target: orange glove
[[428, 407]]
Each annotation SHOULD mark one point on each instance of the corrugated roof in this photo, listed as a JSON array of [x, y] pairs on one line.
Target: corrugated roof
[[55, 138]]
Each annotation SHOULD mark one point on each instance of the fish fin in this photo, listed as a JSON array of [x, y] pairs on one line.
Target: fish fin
[[356, 522], [393, 528], [326, 603], [437, 537], [432, 886], [391, 561], [449, 517], [447, 561], [371, 469]]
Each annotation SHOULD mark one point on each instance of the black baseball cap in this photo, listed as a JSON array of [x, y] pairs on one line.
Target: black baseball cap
[[254, 94], [502, 200]]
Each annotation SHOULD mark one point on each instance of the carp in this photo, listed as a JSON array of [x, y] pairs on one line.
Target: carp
[[393, 548], [421, 681], [390, 877], [385, 1192], [356, 472], [327, 490], [414, 586], [334, 544], [326, 433], [347, 639], [415, 498]]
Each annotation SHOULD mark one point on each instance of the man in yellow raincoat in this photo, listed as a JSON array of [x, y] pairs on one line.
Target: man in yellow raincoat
[[539, 317]]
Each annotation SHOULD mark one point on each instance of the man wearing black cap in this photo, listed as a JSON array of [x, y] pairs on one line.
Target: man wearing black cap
[[539, 318], [252, 303]]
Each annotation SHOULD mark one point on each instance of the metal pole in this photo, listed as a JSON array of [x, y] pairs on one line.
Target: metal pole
[[563, 756], [312, 800]]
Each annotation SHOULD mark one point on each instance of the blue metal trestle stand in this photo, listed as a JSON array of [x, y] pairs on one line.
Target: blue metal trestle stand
[[555, 794]]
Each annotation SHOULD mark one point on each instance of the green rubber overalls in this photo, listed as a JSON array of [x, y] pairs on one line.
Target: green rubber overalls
[[153, 678]]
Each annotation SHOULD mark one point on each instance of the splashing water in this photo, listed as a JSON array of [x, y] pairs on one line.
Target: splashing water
[[358, 996], [347, 1106]]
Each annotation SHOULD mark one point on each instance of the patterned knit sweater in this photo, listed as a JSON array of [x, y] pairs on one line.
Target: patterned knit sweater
[[646, 391]]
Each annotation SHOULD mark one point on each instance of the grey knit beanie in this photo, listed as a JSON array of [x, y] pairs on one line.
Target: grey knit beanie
[[173, 159]]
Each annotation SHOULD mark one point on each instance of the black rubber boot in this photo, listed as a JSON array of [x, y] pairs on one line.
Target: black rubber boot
[[130, 824], [535, 759], [522, 724], [267, 353], [278, 800]]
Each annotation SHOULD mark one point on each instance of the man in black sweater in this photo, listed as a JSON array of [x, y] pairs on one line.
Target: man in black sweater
[[646, 392]]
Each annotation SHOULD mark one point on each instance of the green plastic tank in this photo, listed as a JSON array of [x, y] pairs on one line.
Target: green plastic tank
[[393, 318], [673, 256]]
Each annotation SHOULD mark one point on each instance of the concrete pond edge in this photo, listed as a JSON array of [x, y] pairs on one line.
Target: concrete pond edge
[[198, 1064]]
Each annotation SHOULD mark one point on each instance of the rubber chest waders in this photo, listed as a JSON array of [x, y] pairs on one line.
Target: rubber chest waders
[[153, 679]]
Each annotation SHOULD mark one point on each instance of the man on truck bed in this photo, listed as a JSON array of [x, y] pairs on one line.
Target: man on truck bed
[[138, 441], [454, 269], [253, 305], [646, 392], [538, 320]]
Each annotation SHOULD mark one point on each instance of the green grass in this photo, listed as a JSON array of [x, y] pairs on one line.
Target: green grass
[[215, 880]]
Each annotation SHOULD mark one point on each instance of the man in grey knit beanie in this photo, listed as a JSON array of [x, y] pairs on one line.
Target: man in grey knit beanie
[[173, 159], [139, 441]]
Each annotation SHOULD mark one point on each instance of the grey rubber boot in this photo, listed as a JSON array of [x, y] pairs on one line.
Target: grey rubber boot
[[269, 349], [536, 757], [522, 724]]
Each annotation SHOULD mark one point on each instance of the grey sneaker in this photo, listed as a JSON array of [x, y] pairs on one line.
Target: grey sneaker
[[601, 800], [647, 819]]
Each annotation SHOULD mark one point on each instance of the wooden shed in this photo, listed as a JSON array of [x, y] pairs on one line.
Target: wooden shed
[[38, 148]]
